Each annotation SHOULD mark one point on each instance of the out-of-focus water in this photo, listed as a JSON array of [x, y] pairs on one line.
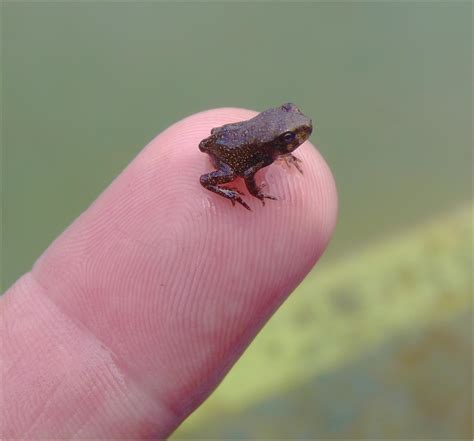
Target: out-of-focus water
[[377, 345], [87, 84]]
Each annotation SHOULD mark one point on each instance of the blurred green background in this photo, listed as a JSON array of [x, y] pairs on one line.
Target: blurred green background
[[377, 342]]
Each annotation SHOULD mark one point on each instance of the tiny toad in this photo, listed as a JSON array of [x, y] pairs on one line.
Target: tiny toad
[[243, 148]]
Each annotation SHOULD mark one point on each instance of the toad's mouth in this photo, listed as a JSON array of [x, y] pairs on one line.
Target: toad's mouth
[[304, 133]]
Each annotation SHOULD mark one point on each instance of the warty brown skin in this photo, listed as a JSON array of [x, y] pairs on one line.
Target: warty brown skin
[[241, 149]]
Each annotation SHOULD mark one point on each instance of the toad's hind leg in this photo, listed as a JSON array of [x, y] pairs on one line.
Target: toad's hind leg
[[212, 181]]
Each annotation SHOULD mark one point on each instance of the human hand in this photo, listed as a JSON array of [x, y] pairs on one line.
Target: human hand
[[137, 311]]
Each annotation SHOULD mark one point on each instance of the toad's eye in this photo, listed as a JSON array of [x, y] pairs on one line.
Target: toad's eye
[[288, 136]]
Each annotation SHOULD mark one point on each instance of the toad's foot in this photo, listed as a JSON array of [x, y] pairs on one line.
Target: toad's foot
[[290, 160], [232, 195], [263, 196], [212, 182]]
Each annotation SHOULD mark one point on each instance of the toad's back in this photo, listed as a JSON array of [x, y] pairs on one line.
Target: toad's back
[[254, 132]]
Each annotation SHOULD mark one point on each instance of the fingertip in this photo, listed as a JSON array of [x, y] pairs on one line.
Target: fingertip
[[313, 192]]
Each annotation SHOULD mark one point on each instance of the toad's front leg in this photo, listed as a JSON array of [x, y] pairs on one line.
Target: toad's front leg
[[252, 186], [212, 181], [290, 160]]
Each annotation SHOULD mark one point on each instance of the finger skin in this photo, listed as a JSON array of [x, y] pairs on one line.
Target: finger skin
[[136, 312]]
